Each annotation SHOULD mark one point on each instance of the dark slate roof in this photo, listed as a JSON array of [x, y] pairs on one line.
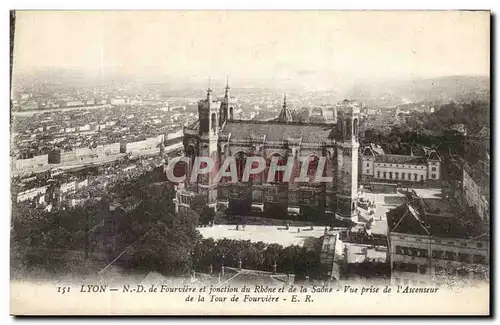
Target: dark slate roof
[[400, 159], [194, 126], [368, 152], [276, 131], [406, 219], [414, 218], [434, 156]]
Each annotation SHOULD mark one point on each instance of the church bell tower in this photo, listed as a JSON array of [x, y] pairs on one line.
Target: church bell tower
[[347, 161], [208, 133]]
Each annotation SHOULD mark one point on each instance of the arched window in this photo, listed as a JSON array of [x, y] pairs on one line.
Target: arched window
[[402, 175], [254, 177], [214, 122], [241, 160], [385, 175], [278, 175], [313, 166], [415, 176], [355, 128], [378, 173], [231, 113]]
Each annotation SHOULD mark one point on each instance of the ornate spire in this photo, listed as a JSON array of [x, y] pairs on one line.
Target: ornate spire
[[285, 115], [227, 87]]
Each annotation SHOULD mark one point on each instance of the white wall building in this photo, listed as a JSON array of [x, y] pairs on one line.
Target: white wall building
[[399, 168], [424, 242]]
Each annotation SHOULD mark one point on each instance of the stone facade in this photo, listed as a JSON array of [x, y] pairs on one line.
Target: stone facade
[[217, 134], [379, 167]]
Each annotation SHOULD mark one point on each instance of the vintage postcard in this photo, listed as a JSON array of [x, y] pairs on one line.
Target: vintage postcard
[[250, 163]]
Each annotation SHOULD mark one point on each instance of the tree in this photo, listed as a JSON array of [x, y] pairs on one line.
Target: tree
[[207, 215]]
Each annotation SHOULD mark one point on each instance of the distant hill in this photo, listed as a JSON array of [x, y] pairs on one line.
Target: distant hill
[[392, 92]]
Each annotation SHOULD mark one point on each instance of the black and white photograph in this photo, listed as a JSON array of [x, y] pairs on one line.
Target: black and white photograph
[[237, 162]]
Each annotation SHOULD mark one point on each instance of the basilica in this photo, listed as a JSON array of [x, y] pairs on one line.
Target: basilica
[[219, 135]]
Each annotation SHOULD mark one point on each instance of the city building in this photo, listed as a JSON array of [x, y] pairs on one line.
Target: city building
[[378, 166], [429, 238], [217, 134], [476, 188]]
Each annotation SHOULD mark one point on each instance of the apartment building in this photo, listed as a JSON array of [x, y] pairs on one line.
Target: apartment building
[[378, 166], [429, 239]]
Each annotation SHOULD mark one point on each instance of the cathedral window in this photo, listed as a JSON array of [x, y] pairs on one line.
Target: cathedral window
[[278, 174], [241, 160], [313, 166]]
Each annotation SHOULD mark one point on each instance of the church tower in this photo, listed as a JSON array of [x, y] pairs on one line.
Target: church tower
[[228, 103], [208, 133], [347, 160]]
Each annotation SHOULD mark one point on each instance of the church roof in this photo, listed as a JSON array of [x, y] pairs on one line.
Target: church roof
[[277, 131]]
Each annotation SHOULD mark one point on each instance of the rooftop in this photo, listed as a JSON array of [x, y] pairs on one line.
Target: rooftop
[[434, 217], [400, 159], [278, 131]]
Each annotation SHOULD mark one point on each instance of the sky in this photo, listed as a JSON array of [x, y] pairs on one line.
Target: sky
[[319, 47]]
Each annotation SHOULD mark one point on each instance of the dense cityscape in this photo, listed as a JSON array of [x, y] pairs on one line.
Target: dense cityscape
[[90, 193]]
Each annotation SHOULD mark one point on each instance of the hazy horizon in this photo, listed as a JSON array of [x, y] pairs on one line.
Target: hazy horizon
[[319, 49]]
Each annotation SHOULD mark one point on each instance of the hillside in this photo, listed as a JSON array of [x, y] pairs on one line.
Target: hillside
[[445, 89]]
